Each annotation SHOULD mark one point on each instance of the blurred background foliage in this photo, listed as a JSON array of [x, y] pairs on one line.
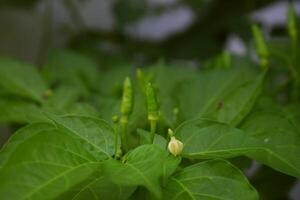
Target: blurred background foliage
[[136, 30]]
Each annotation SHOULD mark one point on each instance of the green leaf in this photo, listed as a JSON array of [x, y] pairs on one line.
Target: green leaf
[[159, 140], [73, 69], [62, 98], [43, 161], [171, 162], [233, 106], [166, 79], [95, 132], [214, 179], [19, 111], [222, 95], [205, 139], [272, 138], [21, 79], [170, 165], [278, 135], [141, 167]]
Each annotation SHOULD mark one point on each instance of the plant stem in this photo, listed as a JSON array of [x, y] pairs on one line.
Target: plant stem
[[123, 135], [116, 139], [152, 130]]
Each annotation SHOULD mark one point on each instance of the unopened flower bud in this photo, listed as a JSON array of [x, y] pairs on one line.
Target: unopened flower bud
[[175, 146]]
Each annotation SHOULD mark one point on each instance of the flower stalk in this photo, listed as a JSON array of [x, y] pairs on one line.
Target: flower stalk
[[115, 120]]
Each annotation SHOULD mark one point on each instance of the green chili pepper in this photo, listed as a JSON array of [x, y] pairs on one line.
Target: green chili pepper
[[115, 120], [127, 98], [126, 109], [153, 108], [292, 23], [261, 46]]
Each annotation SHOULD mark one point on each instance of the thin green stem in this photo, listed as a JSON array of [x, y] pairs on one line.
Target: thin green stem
[[123, 135], [116, 139], [153, 124]]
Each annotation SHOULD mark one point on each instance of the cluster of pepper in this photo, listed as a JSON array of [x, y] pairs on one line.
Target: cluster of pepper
[[175, 146]]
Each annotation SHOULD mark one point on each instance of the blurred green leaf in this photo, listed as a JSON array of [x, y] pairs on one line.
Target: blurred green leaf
[[223, 95], [21, 79]]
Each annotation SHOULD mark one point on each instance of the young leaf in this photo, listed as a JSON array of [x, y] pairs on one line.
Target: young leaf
[[215, 179], [21, 79], [42, 161], [158, 139], [141, 167]]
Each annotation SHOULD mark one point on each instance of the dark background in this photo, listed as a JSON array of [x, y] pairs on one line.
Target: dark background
[[140, 30]]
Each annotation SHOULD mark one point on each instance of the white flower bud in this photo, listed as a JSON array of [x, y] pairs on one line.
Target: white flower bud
[[175, 146]]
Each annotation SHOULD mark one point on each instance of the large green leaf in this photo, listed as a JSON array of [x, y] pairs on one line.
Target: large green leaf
[[95, 132], [19, 111], [278, 135], [211, 180], [141, 167], [204, 139], [21, 79], [46, 161], [272, 138], [223, 95]]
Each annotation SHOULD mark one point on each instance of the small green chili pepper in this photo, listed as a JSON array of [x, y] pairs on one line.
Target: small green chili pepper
[[127, 98], [261, 47], [292, 23], [153, 107]]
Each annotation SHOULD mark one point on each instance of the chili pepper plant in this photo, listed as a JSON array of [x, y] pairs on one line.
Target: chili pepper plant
[[159, 131]]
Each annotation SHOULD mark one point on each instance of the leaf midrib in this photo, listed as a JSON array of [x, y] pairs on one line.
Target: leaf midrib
[[84, 139], [36, 190]]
